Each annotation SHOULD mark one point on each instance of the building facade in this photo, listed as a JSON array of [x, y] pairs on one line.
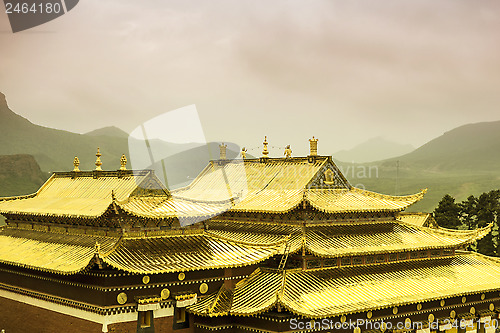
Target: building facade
[[261, 245]]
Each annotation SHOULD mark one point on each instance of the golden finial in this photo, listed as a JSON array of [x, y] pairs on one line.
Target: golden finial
[[123, 162], [288, 152], [76, 163], [98, 162], [243, 153], [313, 144], [223, 148], [265, 152]]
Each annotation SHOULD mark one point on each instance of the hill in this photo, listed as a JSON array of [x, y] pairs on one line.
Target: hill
[[54, 150], [461, 162], [20, 174], [472, 148], [375, 149], [111, 131]]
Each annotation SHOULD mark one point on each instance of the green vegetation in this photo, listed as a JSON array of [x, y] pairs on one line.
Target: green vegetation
[[473, 212]]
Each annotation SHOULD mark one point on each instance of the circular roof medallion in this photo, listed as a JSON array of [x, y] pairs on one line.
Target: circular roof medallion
[[203, 288], [145, 279], [181, 276], [121, 298], [165, 293]]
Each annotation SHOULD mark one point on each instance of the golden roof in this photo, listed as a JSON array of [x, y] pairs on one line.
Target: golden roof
[[79, 194], [337, 291], [154, 255], [49, 251], [280, 185], [418, 219], [66, 253], [337, 240], [274, 186]]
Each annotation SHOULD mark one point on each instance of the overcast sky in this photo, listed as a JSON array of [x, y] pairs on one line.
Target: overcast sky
[[343, 71]]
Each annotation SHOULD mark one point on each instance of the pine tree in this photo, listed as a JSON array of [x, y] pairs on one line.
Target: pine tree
[[447, 213], [468, 212]]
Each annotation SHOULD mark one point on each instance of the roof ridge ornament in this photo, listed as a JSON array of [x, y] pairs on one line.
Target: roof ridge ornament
[[123, 162], [244, 153], [76, 163], [223, 149], [313, 146], [288, 152], [265, 151], [98, 162]]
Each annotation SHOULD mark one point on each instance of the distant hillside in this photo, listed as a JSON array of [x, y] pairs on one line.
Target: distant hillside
[[54, 150], [375, 149], [470, 148], [20, 174], [461, 162], [111, 131]]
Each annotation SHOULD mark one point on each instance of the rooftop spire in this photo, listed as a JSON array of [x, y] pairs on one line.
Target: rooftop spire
[[223, 148], [76, 163], [265, 151], [123, 162], [288, 152], [243, 153], [313, 145], [98, 162]]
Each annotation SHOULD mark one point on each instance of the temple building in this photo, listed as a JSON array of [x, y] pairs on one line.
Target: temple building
[[251, 245]]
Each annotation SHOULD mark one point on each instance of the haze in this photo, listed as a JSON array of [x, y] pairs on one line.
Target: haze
[[343, 71]]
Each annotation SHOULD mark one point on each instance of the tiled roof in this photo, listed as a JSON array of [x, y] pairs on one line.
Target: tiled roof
[[418, 219], [165, 254], [65, 253], [274, 186], [336, 291], [358, 200], [50, 251], [337, 240], [82, 195]]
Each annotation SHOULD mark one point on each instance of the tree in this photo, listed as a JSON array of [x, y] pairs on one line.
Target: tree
[[447, 213], [468, 212], [487, 208]]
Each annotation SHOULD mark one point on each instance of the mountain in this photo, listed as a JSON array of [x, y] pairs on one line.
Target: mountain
[[111, 131], [20, 174], [54, 150], [375, 149], [461, 162], [472, 148]]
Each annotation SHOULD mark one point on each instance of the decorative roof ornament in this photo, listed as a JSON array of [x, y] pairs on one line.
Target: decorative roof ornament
[[98, 162], [288, 152], [265, 151], [243, 153], [313, 145], [223, 148], [123, 162], [76, 163]]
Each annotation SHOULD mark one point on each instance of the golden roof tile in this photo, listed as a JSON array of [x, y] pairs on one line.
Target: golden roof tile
[[337, 291], [49, 251], [153, 255]]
